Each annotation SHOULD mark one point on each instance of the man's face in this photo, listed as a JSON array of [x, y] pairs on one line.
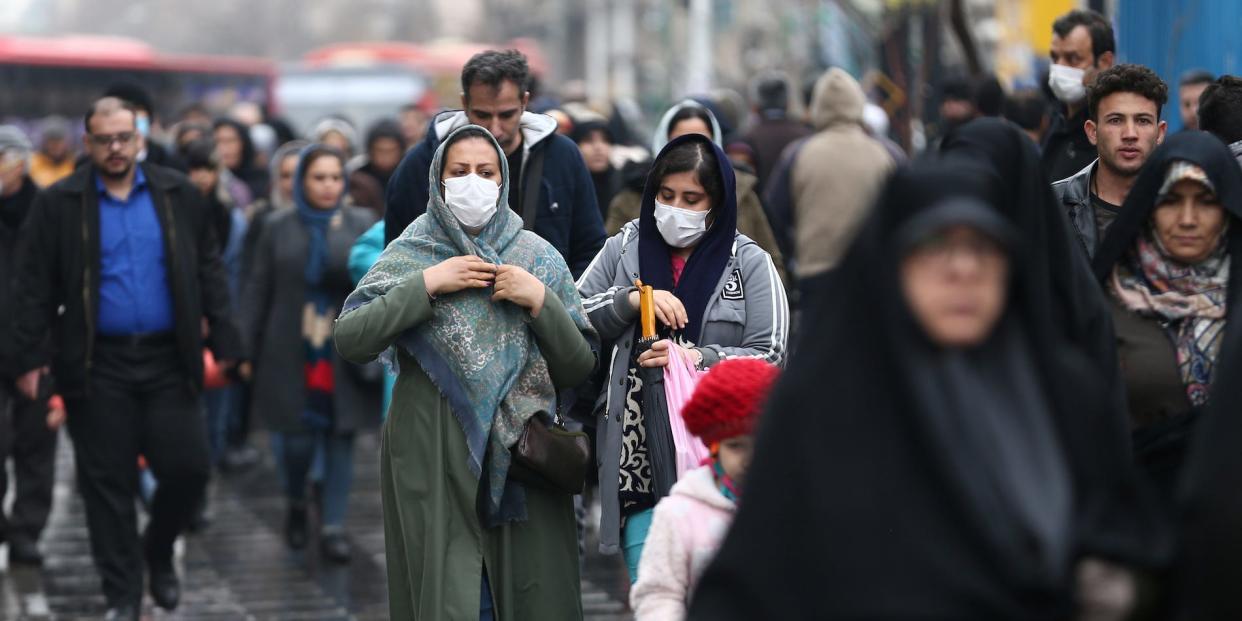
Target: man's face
[[56, 149], [1075, 50], [1126, 132], [113, 142], [1188, 95], [499, 110]]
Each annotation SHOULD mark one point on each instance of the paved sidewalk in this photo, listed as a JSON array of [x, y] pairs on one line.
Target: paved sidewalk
[[240, 569]]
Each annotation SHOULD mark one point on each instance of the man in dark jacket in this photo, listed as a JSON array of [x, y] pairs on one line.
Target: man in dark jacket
[[551, 187], [120, 270], [1082, 47], [1124, 125], [27, 428], [775, 129]]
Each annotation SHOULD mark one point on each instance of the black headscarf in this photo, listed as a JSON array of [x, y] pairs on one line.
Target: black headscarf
[[862, 502], [255, 177], [706, 265], [1062, 275], [1211, 496], [382, 129]]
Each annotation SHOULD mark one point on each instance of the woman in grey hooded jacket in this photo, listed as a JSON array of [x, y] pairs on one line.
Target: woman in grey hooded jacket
[[717, 296]]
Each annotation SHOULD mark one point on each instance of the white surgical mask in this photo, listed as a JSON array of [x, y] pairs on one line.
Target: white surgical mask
[[472, 199], [1066, 84], [680, 227]]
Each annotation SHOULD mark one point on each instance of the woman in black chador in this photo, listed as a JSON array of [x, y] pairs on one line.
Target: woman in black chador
[[936, 449]]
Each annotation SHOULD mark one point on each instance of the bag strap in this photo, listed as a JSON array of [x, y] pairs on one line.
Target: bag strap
[[532, 181]]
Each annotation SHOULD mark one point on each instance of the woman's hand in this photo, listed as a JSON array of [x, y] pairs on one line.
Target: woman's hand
[[520, 287], [668, 309], [453, 275], [659, 353]]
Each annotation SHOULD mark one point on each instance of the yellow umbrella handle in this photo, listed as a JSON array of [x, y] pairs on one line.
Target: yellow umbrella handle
[[646, 309]]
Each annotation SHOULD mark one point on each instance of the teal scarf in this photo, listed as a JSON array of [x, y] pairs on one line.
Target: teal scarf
[[480, 354]]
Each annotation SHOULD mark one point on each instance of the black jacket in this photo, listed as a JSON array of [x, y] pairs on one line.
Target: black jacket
[[60, 267], [1066, 148], [13, 212], [1074, 194]]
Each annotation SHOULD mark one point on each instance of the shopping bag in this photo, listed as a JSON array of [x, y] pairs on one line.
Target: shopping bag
[[680, 378]]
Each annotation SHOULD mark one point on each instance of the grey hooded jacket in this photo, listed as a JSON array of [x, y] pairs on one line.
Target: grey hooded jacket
[[748, 316]]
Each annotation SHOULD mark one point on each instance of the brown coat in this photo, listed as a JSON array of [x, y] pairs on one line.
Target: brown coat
[[836, 175]]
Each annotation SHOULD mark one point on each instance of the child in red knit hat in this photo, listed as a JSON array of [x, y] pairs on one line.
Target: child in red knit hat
[[690, 523]]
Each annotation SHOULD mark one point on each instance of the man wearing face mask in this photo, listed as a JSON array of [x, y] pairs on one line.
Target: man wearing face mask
[[552, 190], [1082, 47]]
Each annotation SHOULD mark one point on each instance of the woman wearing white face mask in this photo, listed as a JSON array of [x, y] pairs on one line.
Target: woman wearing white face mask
[[484, 325], [717, 296]]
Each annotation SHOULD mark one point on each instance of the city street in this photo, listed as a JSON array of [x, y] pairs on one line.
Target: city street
[[239, 568]]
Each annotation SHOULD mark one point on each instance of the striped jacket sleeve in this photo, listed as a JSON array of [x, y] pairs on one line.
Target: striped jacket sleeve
[[606, 303]]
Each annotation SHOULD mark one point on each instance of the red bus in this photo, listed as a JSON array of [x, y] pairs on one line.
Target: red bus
[[40, 76]]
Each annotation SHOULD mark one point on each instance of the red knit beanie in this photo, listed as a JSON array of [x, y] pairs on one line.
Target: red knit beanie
[[727, 400]]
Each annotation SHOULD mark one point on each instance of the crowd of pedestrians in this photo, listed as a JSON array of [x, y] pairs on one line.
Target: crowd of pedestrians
[[981, 381]]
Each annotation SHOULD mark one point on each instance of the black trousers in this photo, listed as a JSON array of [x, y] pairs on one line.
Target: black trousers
[[138, 403], [25, 438]]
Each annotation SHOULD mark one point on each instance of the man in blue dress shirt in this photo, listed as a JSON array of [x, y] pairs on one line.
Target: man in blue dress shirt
[[121, 270]]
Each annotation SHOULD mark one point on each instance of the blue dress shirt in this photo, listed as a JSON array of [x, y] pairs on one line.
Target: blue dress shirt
[[134, 297]]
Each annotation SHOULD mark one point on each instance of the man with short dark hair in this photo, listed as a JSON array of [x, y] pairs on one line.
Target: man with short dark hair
[[1220, 112], [1189, 89], [149, 149], [1082, 47], [1124, 124], [120, 270], [549, 185]]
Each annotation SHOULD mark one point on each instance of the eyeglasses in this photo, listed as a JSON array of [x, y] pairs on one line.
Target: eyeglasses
[[107, 140]]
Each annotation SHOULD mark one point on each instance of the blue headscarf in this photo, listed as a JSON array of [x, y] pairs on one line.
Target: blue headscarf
[[707, 263], [480, 354], [316, 220]]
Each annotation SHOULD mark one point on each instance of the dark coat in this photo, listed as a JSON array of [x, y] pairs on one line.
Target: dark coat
[[60, 268], [855, 498], [273, 296], [566, 217], [13, 212], [1074, 195], [1066, 149], [769, 137]]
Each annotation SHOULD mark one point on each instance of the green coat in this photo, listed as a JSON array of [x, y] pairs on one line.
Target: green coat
[[435, 546]]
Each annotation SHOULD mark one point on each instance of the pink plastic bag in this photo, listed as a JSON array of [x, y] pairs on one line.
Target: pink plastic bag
[[680, 378]]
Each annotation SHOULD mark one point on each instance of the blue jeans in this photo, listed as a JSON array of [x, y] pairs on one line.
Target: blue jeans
[[633, 537], [223, 407], [486, 611], [296, 454]]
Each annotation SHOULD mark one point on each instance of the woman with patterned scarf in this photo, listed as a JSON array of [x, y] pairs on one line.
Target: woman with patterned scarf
[[1165, 265], [483, 324]]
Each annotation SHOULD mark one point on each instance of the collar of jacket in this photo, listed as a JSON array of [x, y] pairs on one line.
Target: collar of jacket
[[83, 179], [1078, 186], [535, 128]]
